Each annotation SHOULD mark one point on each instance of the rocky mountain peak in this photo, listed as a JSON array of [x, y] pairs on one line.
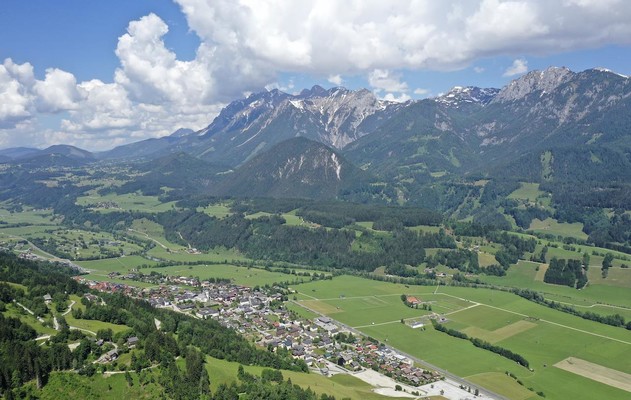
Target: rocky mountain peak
[[182, 132], [459, 95], [316, 90], [545, 81], [608, 71]]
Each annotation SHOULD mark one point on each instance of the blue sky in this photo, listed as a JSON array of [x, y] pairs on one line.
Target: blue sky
[[98, 74]]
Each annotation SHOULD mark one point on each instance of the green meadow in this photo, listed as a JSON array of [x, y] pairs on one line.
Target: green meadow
[[219, 210], [71, 386], [340, 386], [553, 227], [124, 202], [527, 191], [240, 275], [27, 216], [118, 264]]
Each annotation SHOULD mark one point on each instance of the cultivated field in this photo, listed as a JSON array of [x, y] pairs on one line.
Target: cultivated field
[[541, 335], [596, 372]]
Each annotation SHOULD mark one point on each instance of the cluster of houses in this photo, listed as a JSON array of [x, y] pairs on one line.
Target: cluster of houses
[[109, 287], [157, 278], [320, 341], [259, 315]]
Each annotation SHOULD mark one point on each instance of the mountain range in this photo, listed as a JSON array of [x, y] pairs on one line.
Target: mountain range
[[544, 126]]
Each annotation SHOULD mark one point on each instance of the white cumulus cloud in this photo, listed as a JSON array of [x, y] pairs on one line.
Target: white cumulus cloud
[[384, 80], [336, 79], [518, 67], [57, 92], [15, 97], [245, 45]]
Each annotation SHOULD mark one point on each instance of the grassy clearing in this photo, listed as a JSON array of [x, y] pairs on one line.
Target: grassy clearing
[[124, 202], [241, 275], [486, 259], [366, 224], [27, 216], [92, 325], [553, 227], [425, 228], [340, 386], [87, 244], [220, 210], [523, 274], [180, 255], [527, 191], [118, 264], [290, 217], [65, 385], [26, 231], [615, 277], [16, 311], [104, 278], [541, 272], [502, 384]]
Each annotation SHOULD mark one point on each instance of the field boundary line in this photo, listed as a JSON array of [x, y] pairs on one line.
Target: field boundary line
[[549, 322], [369, 296], [463, 309]]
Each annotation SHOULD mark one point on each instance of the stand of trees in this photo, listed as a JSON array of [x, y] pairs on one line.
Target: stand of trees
[[268, 238], [566, 272], [482, 344], [22, 360], [613, 320]]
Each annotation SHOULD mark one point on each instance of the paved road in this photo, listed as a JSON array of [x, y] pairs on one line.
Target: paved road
[[454, 379]]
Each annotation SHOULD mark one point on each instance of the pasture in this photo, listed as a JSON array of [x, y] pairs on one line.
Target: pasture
[[340, 386], [15, 311], [291, 219], [527, 191], [27, 216], [118, 264], [602, 295], [240, 275], [113, 202], [503, 384], [67, 385], [553, 227], [219, 210]]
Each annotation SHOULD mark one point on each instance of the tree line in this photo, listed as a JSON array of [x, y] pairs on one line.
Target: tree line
[[482, 344]]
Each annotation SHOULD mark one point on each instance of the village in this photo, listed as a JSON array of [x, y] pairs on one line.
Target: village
[[260, 315]]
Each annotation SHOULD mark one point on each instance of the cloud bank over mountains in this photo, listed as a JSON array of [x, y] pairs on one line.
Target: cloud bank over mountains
[[246, 44]]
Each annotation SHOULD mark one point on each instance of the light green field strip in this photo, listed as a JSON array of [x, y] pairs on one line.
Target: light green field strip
[[549, 322], [596, 372]]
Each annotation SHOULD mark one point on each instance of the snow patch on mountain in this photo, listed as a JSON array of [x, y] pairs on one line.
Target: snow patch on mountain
[[460, 95]]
